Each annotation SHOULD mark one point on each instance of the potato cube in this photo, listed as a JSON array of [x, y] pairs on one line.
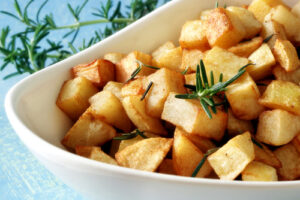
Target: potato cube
[[115, 88], [265, 155], [154, 150], [186, 156], [164, 82], [260, 8], [223, 28], [167, 56], [296, 142], [129, 64], [286, 55], [233, 157], [114, 57], [283, 95], [126, 143], [95, 153], [283, 75], [108, 108], [296, 9], [88, 131], [264, 60], [250, 23], [205, 14], [190, 116], [290, 160], [191, 58], [134, 87], [166, 167], [74, 96], [190, 79], [136, 111], [277, 127], [193, 35], [245, 49], [99, 72], [257, 171], [237, 126], [285, 17]]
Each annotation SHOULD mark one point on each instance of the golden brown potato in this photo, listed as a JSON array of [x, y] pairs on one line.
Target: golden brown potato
[[233, 157], [164, 81], [286, 55], [168, 56], [88, 131], [281, 74], [154, 150], [296, 9], [115, 88], [223, 28], [73, 98], [125, 143], [296, 142], [186, 156], [191, 58], [114, 57], [257, 171], [264, 60], [237, 126], [250, 23], [277, 127], [190, 116], [245, 49], [99, 72], [129, 64], [282, 95], [136, 111], [166, 167], [190, 79], [260, 8], [193, 35], [265, 155], [134, 87], [290, 159], [95, 153], [205, 14], [108, 108]]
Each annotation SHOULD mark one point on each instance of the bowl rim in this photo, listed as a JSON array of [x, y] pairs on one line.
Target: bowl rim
[[45, 148]]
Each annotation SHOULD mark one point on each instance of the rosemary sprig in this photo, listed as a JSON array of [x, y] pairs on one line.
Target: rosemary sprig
[[133, 134], [138, 69], [202, 161], [205, 91], [267, 39], [147, 90], [257, 143]]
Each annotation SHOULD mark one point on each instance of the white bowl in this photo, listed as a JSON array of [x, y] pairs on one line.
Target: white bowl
[[31, 109]]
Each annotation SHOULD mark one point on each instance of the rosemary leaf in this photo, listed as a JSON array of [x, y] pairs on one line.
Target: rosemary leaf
[[199, 86], [202, 161], [204, 75], [205, 108], [147, 90], [191, 87], [128, 136], [267, 39], [185, 70], [149, 66], [186, 96], [212, 81], [257, 143]]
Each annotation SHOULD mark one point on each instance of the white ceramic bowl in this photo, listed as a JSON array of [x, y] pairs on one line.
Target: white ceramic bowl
[[31, 109]]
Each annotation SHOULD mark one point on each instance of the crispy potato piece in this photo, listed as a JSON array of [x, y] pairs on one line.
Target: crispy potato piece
[[245, 49], [286, 55], [202, 143], [190, 116], [290, 22], [164, 82], [115, 88], [190, 79], [223, 28], [166, 167], [250, 23], [73, 98], [126, 143], [257, 171], [296, 9], [186, 156], [281, 74], [95, 153], [191, 58], [193, 35], [296, 142], [237, 126], [265, 155], [290, 159], [264, 60], [134, 87], [154, 150], [108, 108], [260, 8], [136, 111], [88, 131], [272, 27], [283, 95], [277, 127], [129, 63], [168, 56], [114, 57], [233, 157], [99, 71]]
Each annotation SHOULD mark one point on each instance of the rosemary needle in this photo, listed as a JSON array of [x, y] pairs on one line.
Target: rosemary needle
[[267, 39], [257, 143], [147, 90], [138, 69], [133, 134], [202, 161]]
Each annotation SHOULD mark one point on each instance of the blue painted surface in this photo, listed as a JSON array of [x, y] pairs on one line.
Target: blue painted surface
[[21, 175]]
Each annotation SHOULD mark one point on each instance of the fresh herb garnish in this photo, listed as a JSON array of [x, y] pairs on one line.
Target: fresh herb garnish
[[257, 143], [147, 90], [128, 136], [197, 169], [267, 39], [138, 69], [185, 70], [205, 92], [217, 4]]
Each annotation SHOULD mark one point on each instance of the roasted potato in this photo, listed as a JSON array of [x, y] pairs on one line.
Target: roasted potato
[[114, 87], [166, 167], [283, 75], [245, 49], [95, 153], [190, 59], [237, 126], [257, 171], [114, 57]]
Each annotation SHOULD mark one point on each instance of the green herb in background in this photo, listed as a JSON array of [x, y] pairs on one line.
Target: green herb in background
[[131, 135], [24, 50]]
